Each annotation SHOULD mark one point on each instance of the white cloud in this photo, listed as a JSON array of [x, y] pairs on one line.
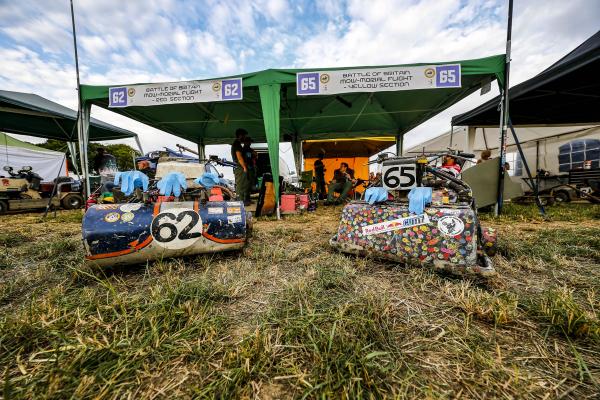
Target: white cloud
[[166, 40]]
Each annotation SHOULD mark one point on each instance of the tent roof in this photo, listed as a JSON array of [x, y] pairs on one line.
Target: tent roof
[[30, 114], [7, 140], [307, 117], [564, 93], [487, 138], [359, 147]]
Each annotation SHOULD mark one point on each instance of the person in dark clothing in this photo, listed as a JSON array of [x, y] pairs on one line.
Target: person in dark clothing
[[240, 171], [250, 158], [320, 175], [343, 179], [104, 163]]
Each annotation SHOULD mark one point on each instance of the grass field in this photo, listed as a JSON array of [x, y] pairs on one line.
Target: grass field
[[290, 318]]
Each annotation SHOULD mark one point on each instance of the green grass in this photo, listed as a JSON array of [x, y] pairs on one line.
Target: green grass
[[291, 318]]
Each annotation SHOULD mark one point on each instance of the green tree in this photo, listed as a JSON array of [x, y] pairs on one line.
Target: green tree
[[122, 152]]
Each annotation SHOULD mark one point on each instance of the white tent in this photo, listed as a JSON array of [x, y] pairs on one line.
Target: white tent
[[541, 144], [18, 154]]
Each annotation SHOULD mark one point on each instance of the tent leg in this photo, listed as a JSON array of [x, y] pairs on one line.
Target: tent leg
[[399, 144], [84, 125], [504, 111], [526, 164], [73, 152], [470, 139], [201, 150], [139, 144], [297, 149]]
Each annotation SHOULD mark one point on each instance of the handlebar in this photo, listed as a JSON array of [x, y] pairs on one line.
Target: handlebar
[[434, 156]]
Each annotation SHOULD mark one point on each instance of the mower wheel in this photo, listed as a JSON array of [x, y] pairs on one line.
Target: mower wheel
[[72, 201], [3, 206], [562, 196]]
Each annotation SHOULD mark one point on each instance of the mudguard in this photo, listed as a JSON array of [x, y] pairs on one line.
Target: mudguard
[[442, 237], [134, 233]]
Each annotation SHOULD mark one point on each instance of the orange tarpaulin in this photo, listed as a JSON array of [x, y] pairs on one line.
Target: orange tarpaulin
[[355, 152]]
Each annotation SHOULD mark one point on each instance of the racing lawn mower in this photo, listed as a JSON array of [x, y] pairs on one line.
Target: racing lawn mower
[[185, 211], [419, 214], [24, 190]]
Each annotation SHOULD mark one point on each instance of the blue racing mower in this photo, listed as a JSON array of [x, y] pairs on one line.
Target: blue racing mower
[[184, 211]]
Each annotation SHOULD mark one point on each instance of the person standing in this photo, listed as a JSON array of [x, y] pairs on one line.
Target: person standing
[[250, 158], [240, 171], [320, 175]]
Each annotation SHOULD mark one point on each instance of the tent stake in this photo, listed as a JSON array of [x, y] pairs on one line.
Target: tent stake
[[504, 113]]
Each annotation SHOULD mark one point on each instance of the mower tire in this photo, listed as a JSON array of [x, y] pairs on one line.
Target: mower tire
[[3, 207], [562, 196], [72, 201]]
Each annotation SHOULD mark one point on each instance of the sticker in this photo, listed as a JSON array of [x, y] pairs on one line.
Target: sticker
[[234, 210], [130, 207], [451, 226], [107, 206], [396, 224], [232, 219], [112, 217], [234, 203], [215, 210], [176, 228], [127, 217]]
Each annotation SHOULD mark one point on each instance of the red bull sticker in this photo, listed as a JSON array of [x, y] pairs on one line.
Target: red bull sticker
[[396, 224]]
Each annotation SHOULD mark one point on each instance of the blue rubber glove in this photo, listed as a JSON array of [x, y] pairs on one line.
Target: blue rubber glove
[[172, 182], [130, 180], [376, 195], [208, 180], [418, 198]]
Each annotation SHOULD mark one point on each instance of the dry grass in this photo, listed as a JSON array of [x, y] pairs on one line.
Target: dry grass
[[290, 318]]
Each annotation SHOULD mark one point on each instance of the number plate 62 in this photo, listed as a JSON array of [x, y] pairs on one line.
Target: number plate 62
[[399, 176]]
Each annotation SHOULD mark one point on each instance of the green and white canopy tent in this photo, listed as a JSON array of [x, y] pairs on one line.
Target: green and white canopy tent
[[298, 104]]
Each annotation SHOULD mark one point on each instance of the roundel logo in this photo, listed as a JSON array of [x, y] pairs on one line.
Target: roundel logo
[[216, 86], [131, 92], [429, 73], [324, 78]]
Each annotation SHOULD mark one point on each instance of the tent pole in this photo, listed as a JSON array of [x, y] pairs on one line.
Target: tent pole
[[504, 112], [534, 184], [201, 150], [139, 144], [399, 144], [85, 129], [80, 125], [73, 152]]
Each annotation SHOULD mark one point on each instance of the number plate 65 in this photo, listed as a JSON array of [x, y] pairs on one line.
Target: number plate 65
[[399, 176]]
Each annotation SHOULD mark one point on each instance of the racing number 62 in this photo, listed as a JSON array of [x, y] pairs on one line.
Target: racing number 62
[[159, 226]]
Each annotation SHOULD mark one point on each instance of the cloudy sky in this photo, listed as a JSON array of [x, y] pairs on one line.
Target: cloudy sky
[[166, 40]]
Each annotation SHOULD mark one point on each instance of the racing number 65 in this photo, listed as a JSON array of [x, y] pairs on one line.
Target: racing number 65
[[392, 177]]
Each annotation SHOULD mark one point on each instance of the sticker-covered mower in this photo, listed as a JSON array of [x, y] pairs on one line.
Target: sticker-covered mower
[[445, 235], [149, 225]]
